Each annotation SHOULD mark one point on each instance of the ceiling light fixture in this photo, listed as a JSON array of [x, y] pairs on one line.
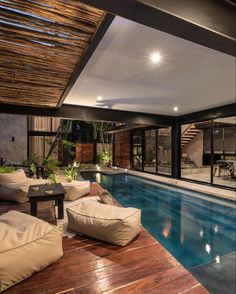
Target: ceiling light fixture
[[176, 108], [155, 57]]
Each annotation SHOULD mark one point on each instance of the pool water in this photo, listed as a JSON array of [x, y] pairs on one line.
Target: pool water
[[193, 227]]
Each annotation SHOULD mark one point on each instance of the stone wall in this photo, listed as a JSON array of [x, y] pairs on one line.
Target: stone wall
[[13, 138]]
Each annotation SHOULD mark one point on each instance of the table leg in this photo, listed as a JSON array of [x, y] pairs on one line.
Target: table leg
[[33, 208], [60, 207]]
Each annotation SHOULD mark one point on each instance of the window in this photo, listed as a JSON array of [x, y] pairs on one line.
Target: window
[[196, 151], [137, 150], [224, 148], [164, 151], [150, 139], [209, 151]]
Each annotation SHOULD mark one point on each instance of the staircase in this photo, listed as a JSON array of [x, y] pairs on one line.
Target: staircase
[[188, 134]]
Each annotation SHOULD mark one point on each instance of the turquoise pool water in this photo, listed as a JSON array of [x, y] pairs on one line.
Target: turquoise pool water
[[194, 227]]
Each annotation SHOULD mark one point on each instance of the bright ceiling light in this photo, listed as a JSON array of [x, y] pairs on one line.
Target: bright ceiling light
[[155, 57], [99, 98], [176, 108]]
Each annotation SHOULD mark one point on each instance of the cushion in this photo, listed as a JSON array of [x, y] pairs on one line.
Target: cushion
[[13, 192], [76, 189], [116, 225], [18, 192], [27, 245], [14, 177]]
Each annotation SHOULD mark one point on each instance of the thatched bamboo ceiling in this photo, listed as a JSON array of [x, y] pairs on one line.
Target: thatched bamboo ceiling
[[41, 42]]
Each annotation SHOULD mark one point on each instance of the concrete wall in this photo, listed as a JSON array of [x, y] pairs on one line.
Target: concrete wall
[[13, 126], [194, 149]]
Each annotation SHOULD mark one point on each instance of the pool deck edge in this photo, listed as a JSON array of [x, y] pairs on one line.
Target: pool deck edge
[[210, 190]]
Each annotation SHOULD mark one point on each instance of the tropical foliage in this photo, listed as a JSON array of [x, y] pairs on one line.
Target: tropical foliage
[[71, 172], [104, 158], [7, 169], [53, 178]]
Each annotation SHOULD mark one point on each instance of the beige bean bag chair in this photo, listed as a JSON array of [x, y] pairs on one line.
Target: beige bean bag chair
[[17, 176], [116, 225], [17, 192], [76, 189], [27, 245]]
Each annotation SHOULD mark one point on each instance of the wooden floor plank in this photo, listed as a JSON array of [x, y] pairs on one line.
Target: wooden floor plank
[[45, 210], [91, 266], [199, 289], [180, 285], [150, 282]]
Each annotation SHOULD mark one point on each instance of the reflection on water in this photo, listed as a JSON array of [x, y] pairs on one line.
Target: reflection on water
[[98, 178], [195, 230]]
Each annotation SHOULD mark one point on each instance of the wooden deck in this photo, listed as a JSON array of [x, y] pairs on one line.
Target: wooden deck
[[90, 266]]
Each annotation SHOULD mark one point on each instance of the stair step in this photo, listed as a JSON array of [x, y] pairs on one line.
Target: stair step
[[193, 131], [188, 136]]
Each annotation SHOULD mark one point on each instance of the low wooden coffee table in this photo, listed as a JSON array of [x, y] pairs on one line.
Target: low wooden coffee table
[[40, 194]]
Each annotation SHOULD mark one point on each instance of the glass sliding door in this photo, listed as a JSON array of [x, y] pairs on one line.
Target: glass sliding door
[[137, 151], [164, 151], [224, 139], [196, 151], [150, 146]]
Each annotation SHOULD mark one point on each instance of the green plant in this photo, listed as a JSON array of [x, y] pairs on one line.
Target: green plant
[[53, 178], [104, 158], [33, 160], [7, 169], [62, 138], [33, 168], [51, 165], [71, 172], [69, 146], [98, 131]]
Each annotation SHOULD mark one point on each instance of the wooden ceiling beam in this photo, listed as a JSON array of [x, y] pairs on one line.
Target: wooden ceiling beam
[[208, 114], [100, 114], [206, 22], [91, 114]]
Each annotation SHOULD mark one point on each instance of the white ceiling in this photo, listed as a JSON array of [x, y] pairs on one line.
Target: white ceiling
[[189, 76]]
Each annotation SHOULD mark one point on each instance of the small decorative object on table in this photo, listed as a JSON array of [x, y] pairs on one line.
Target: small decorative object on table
[[49, 192], [35, 188]]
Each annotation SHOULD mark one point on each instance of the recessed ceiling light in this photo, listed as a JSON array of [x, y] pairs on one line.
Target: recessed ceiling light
[[176, 108], [155, 57], [99, 98]]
